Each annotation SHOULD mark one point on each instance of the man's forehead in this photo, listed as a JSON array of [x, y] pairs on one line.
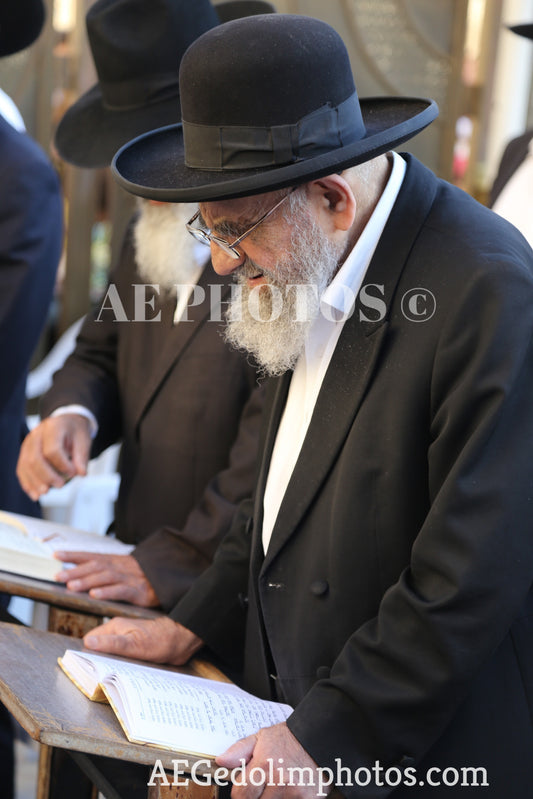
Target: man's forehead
[[241, 210]]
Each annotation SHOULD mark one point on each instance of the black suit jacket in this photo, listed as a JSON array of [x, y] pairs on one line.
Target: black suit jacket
[[30, 246], [514, 155], [174, 396], [393, 605]]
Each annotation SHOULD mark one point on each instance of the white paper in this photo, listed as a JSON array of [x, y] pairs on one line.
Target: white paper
[[27, 545]]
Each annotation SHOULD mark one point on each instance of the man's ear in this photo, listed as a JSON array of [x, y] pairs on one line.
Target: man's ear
[[334, 202]]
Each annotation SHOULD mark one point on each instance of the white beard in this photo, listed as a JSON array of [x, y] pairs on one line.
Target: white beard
[[270, 321], [163, 246]]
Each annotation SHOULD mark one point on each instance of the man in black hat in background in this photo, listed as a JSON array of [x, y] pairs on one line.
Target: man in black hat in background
[[30, 247], [184, 405], [172, 391], [380, 579], [512, 192]]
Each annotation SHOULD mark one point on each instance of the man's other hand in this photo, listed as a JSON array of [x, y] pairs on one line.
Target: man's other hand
[[274, 751], [156, 640], [116, 577], [54, 452]]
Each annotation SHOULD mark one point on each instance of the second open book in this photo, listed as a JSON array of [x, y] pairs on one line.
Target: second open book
[[164, 708], [27, 545]]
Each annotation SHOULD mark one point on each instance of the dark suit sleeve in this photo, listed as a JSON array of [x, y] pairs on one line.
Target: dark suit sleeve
[[215, 606], [89, 375], [172, 559], [402, 676], [88, 378], [30, 248]]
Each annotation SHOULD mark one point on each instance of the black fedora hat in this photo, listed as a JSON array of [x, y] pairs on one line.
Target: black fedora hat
[[137, 47], [267, 102], [525, 29], [21, 22], [235, 9]]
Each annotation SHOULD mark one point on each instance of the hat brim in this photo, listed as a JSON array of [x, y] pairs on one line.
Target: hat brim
[[153, 165], [523, 30], [89, 134]]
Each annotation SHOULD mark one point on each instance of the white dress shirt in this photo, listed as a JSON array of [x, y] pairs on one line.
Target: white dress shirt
[[336, 305]]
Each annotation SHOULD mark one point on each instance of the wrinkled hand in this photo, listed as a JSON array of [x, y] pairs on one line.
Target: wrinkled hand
[[117, 577], [54, 452], [156, 640], [266, 752]]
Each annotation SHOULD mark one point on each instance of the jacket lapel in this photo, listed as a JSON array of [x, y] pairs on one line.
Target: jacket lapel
[[275, 399], [339, 399], [174, 339], [352, 364]]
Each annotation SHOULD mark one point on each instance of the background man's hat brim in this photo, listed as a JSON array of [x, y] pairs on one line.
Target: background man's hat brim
[[153, 165], [21, 22], [523, 30], [89, 133]]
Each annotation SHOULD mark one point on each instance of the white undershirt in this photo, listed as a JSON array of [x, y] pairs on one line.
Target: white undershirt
[[515, 201], [336, 305]]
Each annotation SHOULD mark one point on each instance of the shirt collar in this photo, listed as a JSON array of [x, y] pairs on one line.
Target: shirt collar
[[337, 301]]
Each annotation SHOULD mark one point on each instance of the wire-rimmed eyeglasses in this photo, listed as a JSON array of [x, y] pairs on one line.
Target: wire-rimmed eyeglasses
[[205, 236]]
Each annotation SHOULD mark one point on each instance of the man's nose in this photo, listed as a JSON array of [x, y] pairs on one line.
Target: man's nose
[[224, 264]]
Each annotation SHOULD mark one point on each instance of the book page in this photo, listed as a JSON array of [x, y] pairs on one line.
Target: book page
[[22, 554], [180, 712], [53, 536], [87, 672], [188, 714], [16, 537]]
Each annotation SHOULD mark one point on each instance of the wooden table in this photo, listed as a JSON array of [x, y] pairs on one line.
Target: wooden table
[[70, 613], [55, 713]]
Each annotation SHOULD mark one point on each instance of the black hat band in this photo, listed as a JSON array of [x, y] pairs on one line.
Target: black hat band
[[126, 95], [244, 147]]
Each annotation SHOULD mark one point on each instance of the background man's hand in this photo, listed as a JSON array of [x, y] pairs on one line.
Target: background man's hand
[[156, 640], [117, 577], [53, 452], [273, 750]]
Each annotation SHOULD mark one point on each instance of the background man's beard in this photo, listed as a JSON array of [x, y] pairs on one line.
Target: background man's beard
[[163, 246], [277, 343]]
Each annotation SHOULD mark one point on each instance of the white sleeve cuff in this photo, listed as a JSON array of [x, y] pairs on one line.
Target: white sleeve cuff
[[81, 410]]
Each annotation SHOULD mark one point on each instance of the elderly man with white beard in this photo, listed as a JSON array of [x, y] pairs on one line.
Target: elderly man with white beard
[[387, 554], [290, 299]]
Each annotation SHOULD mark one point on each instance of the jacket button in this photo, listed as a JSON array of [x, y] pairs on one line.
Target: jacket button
[[277, 586], [243, 601], [319, 587], [323, 672], [406, 761], [248, 526]]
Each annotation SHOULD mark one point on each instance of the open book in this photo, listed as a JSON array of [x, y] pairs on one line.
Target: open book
[[168, 709], [27, 545]]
